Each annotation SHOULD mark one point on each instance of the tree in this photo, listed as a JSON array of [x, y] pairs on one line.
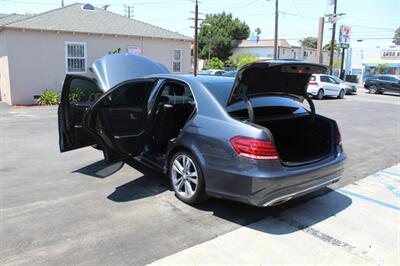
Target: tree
[[328, 46], [396, 37], [218, 33], [310, 42], [242, 58], [215, 63]]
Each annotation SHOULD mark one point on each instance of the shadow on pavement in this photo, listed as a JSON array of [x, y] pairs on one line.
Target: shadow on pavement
[[100, 169], [295, 215], [290, 217], [150, 184]]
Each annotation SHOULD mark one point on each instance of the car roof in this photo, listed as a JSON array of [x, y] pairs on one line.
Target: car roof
[[190, 78]]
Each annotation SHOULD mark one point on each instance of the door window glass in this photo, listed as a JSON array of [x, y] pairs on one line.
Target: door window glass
[[132, 94], [324, 79], [333, 81], [83, 91]]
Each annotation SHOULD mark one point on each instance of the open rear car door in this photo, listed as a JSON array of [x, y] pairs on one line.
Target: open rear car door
[[119, 119]]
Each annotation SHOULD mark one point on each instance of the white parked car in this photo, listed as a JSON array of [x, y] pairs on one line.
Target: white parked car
[[321, 85]]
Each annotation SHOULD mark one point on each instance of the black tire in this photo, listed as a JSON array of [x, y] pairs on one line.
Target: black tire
[[320, 94], [199, 194], [341, 94], [373, 89]]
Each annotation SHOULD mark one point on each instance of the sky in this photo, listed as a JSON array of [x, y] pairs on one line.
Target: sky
[[373, 21]]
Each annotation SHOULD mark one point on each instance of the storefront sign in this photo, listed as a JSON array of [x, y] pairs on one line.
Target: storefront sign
[[134, 50], [344, 36], [390, 54]]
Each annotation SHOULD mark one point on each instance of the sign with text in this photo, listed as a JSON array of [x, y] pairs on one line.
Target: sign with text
[[344, 36], [390, 54]]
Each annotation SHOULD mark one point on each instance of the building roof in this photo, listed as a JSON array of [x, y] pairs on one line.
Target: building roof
[[73, 18], [10, 18], [262, 43]]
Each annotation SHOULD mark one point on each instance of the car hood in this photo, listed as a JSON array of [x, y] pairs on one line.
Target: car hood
[[278, 77], [113, 69]]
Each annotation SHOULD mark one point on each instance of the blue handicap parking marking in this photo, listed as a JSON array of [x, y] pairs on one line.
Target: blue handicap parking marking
[[388, 181], [347, 192], [396, 174]]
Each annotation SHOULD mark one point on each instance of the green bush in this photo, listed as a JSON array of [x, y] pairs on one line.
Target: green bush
[[245, 60], [49, 97], [76, 95], [215, 63]]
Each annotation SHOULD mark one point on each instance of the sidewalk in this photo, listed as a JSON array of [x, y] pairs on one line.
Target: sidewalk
[[358, 224]]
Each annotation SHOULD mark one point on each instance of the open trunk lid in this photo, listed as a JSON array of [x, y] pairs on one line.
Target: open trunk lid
[[279, 77], [113, 69]]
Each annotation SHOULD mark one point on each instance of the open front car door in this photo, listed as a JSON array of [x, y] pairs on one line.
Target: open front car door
[[78, 95], [112, 112]]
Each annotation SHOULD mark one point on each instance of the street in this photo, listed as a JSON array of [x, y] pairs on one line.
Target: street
[[72, 208]]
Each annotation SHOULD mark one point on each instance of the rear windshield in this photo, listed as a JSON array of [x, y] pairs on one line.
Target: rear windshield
[[312, 78], [220, 90], [263, 106]]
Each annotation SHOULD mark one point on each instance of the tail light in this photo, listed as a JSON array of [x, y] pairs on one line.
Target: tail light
[[339, 137], [256, 149], [312, 83]]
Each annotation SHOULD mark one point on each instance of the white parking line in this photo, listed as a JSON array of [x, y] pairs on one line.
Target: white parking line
[[359, 223]]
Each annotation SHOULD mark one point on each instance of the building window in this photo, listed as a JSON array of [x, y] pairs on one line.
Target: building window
[[177, 61], [75, 57]]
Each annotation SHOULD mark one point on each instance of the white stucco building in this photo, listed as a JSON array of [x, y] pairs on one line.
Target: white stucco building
[[36, 52]]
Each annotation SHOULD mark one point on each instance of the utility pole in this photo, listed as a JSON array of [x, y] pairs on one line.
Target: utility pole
[[276, 31], [320, 39], [341, 65], [333, 38], [128, 11], [196, 18]]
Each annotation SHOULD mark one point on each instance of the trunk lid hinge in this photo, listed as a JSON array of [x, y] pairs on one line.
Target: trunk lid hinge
[[242, 93]]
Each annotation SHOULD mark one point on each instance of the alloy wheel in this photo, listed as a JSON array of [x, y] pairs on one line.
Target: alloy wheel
[[184, 176], [373, 89], [341, 94], [320, 94]]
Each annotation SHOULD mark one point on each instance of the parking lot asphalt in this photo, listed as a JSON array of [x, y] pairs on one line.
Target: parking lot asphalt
[[71, 208]]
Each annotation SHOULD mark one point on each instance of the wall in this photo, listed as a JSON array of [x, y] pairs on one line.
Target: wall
[[37, 59], [5, 94], [268, 52]]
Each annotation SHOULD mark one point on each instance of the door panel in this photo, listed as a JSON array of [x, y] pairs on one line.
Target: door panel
[[334, 87], [78, 94], [121, 117]]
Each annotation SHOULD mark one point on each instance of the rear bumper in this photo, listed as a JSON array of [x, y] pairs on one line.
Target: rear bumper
[[267, 189], [312, 89], [351, 90]]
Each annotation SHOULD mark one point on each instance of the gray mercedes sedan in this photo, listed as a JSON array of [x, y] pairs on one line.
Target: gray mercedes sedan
[[255, 138]]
